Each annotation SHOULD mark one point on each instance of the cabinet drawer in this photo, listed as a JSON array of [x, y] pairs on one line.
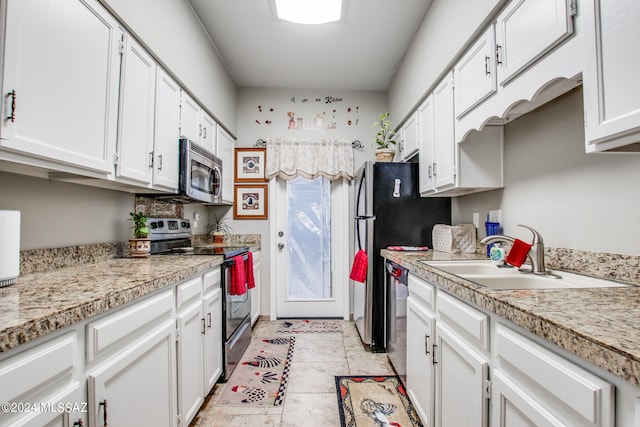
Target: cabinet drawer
[[188, 292], [424, 291], [36, 368], [555, 380], [211, 280], [109, 331], [464, 319]]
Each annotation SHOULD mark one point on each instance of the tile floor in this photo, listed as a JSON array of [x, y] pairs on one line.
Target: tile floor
[[311, 398]]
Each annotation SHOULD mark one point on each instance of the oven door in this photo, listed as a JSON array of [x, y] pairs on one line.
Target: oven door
[[202, 173], [237, 307]]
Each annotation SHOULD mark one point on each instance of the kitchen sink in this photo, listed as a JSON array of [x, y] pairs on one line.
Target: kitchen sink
[[486, 274], [471, 267]]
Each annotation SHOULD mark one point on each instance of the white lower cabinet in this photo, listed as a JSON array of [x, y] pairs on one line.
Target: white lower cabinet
[[137, 386], [199, 318], [465, 367], [534, 386], [420, 368]]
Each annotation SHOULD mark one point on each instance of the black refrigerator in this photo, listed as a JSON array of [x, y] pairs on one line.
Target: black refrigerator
[[388, 211]]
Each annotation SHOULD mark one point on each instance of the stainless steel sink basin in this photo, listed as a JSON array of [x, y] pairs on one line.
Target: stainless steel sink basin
[[486, 274]]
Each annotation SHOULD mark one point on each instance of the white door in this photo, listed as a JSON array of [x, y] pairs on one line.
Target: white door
[[420, 371], [311, 246]]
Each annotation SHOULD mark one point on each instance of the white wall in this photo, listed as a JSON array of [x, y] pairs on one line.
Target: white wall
[[448, 27], [171, 31], [575, 200], [56, 214], [370, 105]]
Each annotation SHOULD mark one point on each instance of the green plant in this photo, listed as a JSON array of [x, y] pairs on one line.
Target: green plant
[[140, 230], [217, 223], [385, 134]]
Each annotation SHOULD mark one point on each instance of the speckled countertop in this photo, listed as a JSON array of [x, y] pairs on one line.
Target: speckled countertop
[[41, 303], [600, 325], [62, 286]]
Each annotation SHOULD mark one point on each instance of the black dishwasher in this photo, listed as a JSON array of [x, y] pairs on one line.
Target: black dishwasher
[[397, 292]]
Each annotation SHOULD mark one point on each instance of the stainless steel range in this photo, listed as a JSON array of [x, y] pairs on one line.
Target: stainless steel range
[[173, 237]]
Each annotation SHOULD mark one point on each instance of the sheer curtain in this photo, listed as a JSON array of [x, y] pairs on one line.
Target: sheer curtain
[[289, 158]]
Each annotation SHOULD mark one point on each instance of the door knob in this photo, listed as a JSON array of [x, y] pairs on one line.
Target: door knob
[[281, 246], [280, 234]]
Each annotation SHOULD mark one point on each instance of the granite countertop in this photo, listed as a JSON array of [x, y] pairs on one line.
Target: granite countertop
[[43, 302], [600, 325]]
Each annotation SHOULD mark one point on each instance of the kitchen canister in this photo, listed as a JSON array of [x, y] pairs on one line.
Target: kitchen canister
[[9, 247]]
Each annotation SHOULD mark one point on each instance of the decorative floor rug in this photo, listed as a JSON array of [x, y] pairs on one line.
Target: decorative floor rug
[[260, 379], [290, 326], [374, 401]]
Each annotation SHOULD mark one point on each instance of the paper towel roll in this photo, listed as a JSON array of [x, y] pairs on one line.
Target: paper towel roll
[[9, 247]]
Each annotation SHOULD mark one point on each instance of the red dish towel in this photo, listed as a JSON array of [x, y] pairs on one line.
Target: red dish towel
[[238, 278], [360, 266], [248, 271], [518, 253]]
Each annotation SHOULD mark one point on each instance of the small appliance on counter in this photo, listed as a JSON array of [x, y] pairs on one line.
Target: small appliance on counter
[[9, 247]]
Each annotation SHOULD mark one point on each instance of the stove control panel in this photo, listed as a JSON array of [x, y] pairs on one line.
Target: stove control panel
[[168, 228]]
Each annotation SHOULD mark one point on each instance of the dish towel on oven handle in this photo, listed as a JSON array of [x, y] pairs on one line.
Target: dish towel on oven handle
[[238, 278], [360, 266], [248, 271]]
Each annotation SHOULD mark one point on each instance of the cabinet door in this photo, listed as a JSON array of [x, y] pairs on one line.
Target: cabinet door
[[526, 30], [208, 137], [420, 371], [461, 377], [136, 118], [60, 83], [65, 408], [138, 385], [475, 74], [224, 150], [410, 136], [425, 117], [191, 327], [190, 126], [444, 144], [512, 406], [167, 131], [212, 339], [612, 66]]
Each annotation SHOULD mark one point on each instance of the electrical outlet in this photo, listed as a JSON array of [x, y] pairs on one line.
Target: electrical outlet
[[476, 219]]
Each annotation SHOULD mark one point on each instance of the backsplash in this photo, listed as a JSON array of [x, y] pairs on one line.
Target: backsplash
[[159, 208]]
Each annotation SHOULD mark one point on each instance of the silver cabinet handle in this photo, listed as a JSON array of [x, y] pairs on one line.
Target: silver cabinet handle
[[160, 162]]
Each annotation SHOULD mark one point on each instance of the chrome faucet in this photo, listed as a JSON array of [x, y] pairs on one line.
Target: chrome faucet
[[536, 253]]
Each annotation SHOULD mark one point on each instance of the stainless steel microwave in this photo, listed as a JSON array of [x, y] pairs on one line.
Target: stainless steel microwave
[[200, 173]]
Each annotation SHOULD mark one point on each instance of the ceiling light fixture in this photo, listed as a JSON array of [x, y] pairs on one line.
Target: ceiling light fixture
[[309, 11]]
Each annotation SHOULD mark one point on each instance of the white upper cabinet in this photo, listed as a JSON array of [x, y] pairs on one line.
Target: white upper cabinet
[[208, 135], [409, 137], [190, 126], [443, 116], [425, 116], [475, 73], [526, 30], [60, 83], [611, 89], [167, 132], [224, 150], [136, 118]]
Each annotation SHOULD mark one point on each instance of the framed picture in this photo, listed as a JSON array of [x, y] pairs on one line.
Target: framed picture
[[251, 201], [250, 164]]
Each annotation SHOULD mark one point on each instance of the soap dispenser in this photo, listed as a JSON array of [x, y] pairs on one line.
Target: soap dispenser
[[496, 254]]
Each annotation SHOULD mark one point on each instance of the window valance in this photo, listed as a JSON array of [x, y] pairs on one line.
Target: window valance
[[288, 158]]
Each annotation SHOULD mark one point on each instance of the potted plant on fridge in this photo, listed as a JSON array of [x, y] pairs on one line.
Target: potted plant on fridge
[[217, 227], [384, 138], [140, 245]]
